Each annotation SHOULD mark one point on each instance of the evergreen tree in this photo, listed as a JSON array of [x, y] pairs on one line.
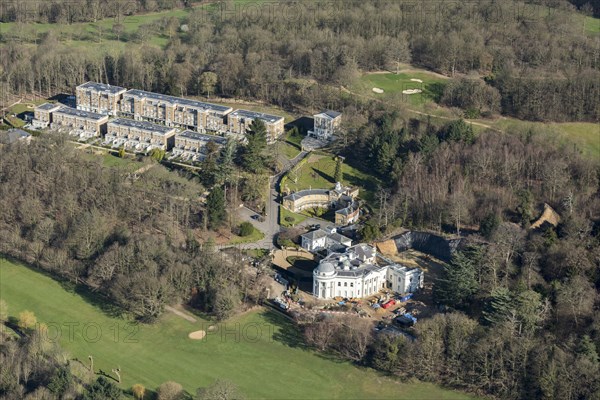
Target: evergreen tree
[[489, 224], [525, 207], [337, 176], [428, 143], [499, 307], [254, 158], [61, 381], [529, 310], [460, 131], [102, 389], [215, 208], [458, 283], [226, 162]]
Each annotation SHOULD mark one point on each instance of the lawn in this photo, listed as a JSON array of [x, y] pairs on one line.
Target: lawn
[[318, 173], [290, 145], [285, 215], [110, 159], [255, 236], [259, 351], [591, 25], [393, 84], [585, 136]]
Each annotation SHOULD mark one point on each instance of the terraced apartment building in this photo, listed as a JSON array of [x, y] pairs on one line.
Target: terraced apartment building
[[174, 111], [90, 123], [239, 122], [139, 135], [100, 98], [193, 115], [194, 142], [42, 115]]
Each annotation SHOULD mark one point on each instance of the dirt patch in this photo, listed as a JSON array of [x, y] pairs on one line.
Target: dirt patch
[[387, 248], [197, 335], [180, 313], [549, 215]]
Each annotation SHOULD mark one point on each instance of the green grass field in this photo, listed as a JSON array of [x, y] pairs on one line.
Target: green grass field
[[591, 25], [289, 145], [255, 236], [584, 136], [289, 219], [393, 84], [273, 364], [319, 171]]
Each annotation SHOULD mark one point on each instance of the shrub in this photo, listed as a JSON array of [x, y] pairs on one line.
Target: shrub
[[27, 320], [246, 229]]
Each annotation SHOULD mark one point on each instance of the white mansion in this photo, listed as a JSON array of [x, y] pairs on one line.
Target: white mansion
[[355, 273]]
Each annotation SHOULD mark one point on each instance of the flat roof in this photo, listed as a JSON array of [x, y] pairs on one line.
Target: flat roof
[[102, 87], [178, 100], [82, 114], [257, 115], [48, 106], [202, 137], [142, 125]]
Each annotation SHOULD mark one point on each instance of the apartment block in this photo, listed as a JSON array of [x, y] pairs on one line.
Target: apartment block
[[190, 145], [139, 136], [83, 123], [99, 97], [239, 122], [174, 111], [42, 115]]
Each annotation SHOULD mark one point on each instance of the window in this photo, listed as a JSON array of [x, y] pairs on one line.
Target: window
[[351, 284], [345, 284], [339, 283]]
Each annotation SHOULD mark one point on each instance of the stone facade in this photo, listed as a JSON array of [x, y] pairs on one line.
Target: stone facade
[[99, 98]]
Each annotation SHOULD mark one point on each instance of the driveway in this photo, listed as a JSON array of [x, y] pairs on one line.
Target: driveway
[[270, 226]]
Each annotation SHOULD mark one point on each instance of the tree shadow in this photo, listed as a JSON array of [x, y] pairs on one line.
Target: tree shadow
[[323, 175], [96, 299], [288, 333]]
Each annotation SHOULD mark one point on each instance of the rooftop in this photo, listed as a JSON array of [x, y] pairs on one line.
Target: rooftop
[[48, 106], [82, 114], [142, 125], [329, 114], [179, 101], [306, 192], [316, 234], [202, 137], [102, 87], [363, 250], [13, 135], [257, 115]]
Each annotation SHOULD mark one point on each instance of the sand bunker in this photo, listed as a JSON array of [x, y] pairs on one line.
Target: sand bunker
[[416, 80], [211, 328], [377, 90], [198, 335], [411, 91]]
